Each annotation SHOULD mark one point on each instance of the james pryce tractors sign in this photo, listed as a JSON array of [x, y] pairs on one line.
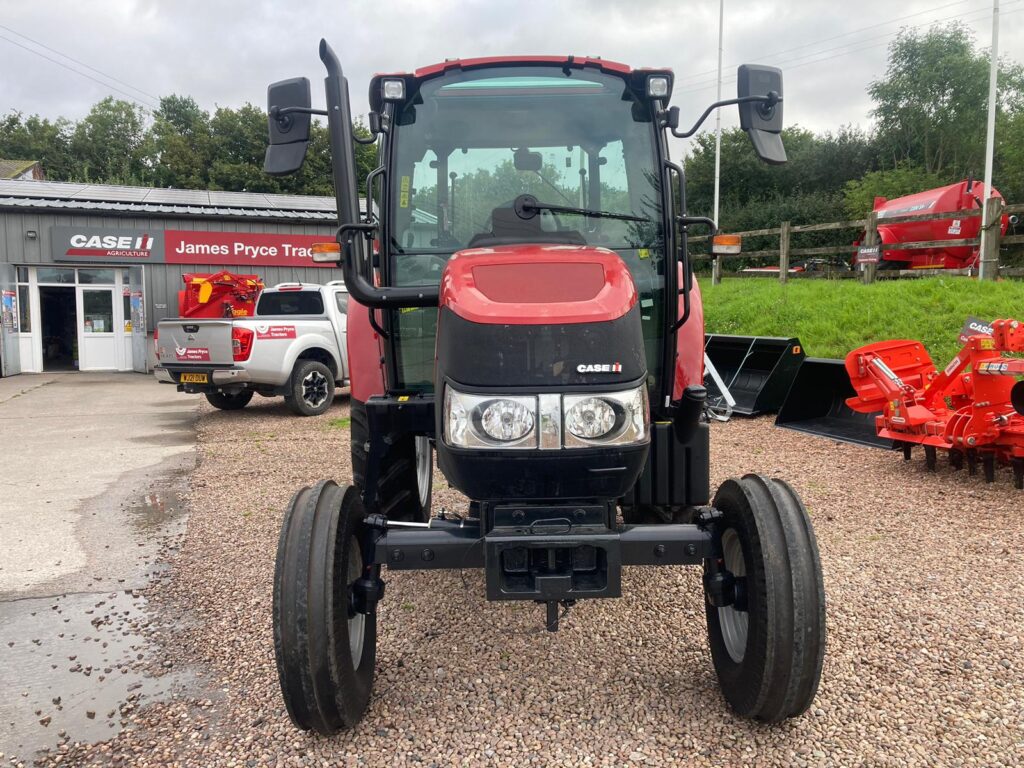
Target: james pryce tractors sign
[[180, 246]]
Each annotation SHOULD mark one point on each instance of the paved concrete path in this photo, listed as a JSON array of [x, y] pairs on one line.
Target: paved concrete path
[[93, 468], [74, 450]]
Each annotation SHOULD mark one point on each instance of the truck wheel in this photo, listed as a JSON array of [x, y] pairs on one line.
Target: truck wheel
[[311, 390], [769, 645], [405, 479], [325, 650], [229, 401]]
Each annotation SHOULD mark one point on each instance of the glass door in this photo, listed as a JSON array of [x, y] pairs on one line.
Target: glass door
[[97, 341], [10, 351]]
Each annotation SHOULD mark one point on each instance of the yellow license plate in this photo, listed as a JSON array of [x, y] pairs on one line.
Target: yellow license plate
[[195, 378]]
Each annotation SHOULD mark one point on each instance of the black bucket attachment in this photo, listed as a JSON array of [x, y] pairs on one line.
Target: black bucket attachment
[[757, 370], [816, 404]]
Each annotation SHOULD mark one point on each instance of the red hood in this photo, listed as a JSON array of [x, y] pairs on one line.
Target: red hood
[[537, 284]]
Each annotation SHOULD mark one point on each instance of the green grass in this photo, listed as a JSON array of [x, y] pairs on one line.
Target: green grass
[[339, 423], [832, 317]]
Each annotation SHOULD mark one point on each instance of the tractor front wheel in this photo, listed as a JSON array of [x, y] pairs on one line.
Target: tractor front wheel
[[769, 642], [325, 648]]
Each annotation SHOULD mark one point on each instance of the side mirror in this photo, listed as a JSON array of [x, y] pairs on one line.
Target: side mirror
[[288, 117], [762, 119]]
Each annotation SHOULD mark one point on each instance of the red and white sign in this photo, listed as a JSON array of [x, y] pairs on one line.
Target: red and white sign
[[192, 354], [275, 331], [240, 248]]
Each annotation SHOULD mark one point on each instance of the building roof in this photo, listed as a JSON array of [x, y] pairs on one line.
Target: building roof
[[103, 198], [11, 168]]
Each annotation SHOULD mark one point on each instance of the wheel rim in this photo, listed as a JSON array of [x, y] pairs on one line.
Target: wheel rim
[[357, 622], [423, 470], [314, 389], [732, 621]]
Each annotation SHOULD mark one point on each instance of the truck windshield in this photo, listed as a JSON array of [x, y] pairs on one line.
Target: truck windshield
[[467, 144]]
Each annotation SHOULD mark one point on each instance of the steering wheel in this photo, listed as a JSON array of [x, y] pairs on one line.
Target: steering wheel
[[422, 268]]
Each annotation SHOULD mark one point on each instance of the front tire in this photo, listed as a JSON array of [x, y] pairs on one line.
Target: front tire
[[229, 401], [768, 652], [325, 650], [405, 477], [311, 389]]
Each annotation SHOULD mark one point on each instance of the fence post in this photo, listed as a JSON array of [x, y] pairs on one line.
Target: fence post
[[871, 238], [991, 235], [784, 253]]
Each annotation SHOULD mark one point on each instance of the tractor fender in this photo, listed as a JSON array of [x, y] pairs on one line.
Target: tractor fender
[[365, 353], [689, 369]]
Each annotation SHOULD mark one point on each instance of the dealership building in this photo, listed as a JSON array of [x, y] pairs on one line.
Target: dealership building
[[87, 270]]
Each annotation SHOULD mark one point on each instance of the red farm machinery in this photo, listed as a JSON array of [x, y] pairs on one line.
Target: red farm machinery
[[223, 294], [962, 196], [973, 408], [522, 308]]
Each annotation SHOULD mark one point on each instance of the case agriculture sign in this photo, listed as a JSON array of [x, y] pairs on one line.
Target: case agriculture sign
[[180, 246]]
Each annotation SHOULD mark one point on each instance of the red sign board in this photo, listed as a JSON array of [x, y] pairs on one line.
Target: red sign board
[[240, 248]]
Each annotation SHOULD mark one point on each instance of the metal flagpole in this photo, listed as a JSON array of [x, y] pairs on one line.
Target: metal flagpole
[[718, 113], [986, 269]]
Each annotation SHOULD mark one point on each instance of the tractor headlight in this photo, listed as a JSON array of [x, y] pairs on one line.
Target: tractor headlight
[[566, 421], [612, 418], [486, 421]]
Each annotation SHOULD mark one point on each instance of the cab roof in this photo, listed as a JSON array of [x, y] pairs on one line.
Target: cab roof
[[569, 60]]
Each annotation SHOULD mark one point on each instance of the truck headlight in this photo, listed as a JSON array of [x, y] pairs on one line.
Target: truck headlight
[[486, 421]]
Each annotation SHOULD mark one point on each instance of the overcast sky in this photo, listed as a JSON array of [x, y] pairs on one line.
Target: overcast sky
[[225, 52]]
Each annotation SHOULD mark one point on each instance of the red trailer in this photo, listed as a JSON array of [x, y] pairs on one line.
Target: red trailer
[[964, 195], [223, 294]]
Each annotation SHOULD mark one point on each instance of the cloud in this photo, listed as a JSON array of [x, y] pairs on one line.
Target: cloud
[[226, 52]]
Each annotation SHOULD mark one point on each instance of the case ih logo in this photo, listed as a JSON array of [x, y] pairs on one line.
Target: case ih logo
[[599, 368], [191, 354], [275, 331], [108, 246]]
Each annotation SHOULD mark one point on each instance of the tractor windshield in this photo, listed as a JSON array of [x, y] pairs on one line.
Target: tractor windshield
[[467, 144]]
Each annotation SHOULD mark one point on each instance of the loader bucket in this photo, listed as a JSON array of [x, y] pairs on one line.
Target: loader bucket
[[757, 370], [816, 404]]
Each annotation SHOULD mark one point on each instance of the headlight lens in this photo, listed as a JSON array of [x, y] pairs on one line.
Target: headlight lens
[[611, 418], [567, 421], [590, 418], [506, 420], [486, 421]]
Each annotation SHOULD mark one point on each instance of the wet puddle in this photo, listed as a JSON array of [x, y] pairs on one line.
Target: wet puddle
[[75, 666]]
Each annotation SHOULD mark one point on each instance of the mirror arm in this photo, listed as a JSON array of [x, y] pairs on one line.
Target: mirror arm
[[363, 291], [769, 100], [279, 112]]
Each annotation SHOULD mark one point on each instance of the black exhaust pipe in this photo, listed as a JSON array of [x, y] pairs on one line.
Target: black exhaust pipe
[[816, 404]]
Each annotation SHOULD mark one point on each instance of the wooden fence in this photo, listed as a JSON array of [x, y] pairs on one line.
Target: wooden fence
[[869, 272]]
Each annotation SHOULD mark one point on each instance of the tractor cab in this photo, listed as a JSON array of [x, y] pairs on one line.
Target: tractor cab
[[522, 308]]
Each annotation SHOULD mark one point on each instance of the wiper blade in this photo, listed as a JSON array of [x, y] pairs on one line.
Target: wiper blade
[[530, 203]]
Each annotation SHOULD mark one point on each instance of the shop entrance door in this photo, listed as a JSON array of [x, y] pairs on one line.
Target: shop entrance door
[[137, 317], [10, 352], [97, 341], [57, 313]]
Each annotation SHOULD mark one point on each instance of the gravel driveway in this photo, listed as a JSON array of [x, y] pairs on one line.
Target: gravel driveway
[[925, 663]]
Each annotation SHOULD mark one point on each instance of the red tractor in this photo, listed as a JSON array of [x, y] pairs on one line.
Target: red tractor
[[523, 307]]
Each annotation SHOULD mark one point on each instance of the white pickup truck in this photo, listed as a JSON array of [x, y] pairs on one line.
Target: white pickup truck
[[293, 346]]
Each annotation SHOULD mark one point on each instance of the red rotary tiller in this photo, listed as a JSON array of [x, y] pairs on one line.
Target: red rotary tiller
[[974, 408]]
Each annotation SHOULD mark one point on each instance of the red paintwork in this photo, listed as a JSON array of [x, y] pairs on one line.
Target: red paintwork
[[490, 61], [239, 292], [953, 409], [954, 197], [537, 284], [689, 369], [365, 352]]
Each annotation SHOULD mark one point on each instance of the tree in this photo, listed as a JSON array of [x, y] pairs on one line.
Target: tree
[[36, 138], [182, 144], [110, 144], [930, 106], [859, 195]]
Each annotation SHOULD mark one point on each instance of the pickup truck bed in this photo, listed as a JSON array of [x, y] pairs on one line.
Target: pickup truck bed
[[294, 346]]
